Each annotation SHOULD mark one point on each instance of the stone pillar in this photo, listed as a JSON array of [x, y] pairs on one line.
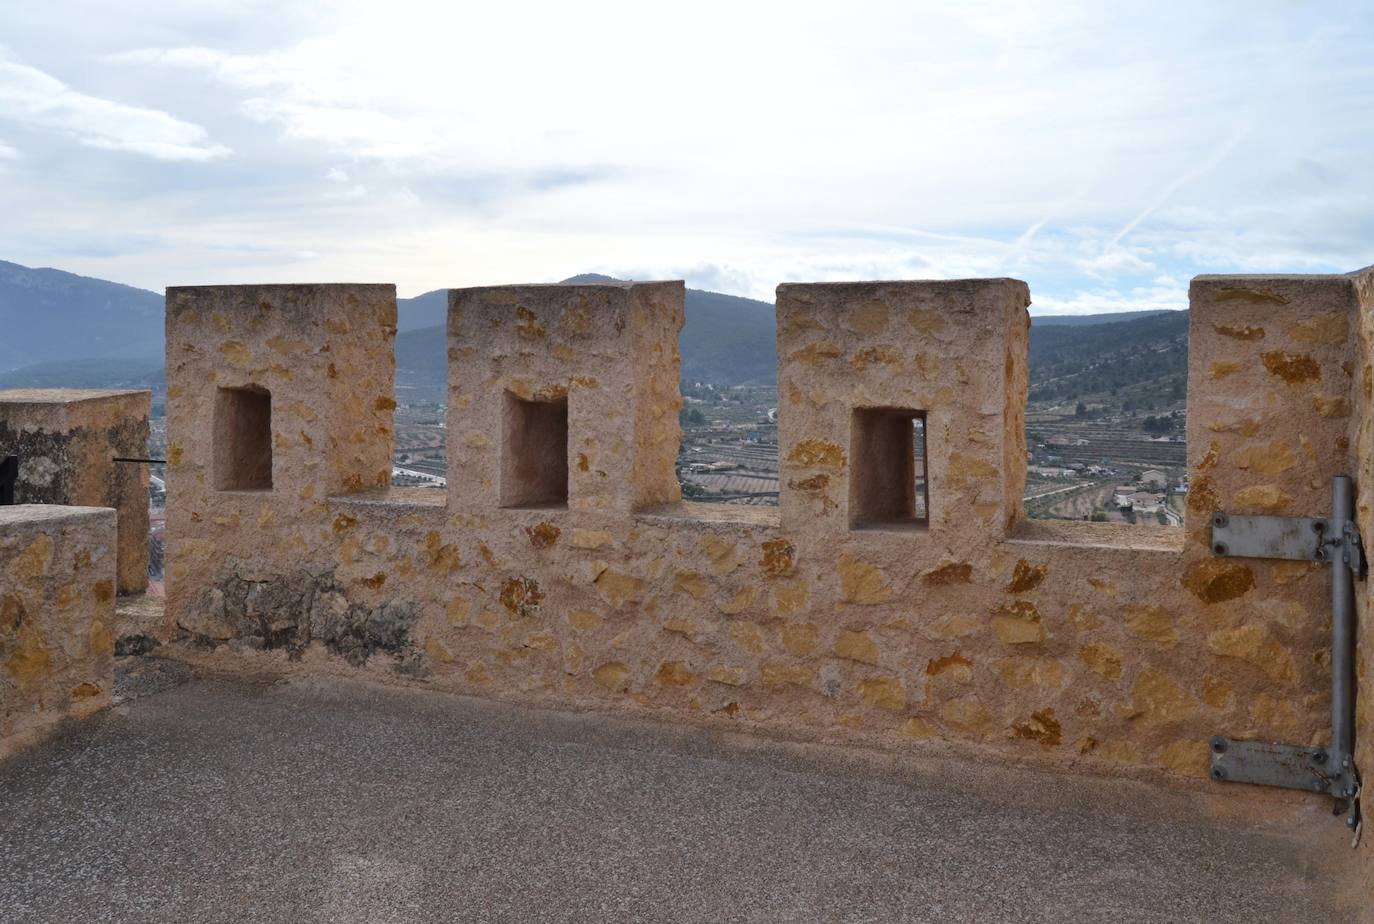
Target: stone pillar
[[66, 440], [57, 607], [564, 396], [857, 362], [1272, 382], [277, 397]]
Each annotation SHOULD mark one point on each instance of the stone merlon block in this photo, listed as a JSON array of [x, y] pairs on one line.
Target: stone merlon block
[[286, 389], [953, 352], [66, 441], [564, 396], [57, 610], [1271, 387]]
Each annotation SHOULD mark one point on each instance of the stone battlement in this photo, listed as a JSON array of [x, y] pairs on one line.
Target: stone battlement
[[562, 565]]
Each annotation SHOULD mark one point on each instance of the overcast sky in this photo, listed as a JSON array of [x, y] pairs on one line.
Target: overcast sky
[[1104, 152]]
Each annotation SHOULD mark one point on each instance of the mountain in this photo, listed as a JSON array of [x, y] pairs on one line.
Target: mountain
[[46, 315], [101, 372], [52, 320], [1148, 353], [1080, 320]]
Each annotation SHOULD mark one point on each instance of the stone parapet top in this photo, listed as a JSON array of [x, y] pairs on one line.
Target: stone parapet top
[[21, 514], [394, 497], [690, 512], [62, 395], [1078, 534]]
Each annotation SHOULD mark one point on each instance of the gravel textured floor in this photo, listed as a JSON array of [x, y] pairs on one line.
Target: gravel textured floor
[[216, 799]]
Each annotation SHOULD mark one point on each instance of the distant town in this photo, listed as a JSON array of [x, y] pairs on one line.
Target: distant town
[[1098, 463]]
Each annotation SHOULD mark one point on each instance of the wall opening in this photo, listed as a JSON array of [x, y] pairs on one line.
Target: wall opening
[[534, 452], [1106, 418], [243, 439], [420, 417], [887, 478]]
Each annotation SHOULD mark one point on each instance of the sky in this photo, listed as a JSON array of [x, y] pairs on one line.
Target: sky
[[1103, 152]]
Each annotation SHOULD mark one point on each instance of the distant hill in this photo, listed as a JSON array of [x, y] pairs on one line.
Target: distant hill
[[89, 373], [50, 320], [1071, 361], [46, 315], [1082, 320]]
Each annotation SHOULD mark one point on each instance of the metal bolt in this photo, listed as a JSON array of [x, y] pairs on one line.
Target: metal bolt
[[1219, 520], [1219, 745], [1218, 773], [1219, 548], [1318, 526], [1318, 757]]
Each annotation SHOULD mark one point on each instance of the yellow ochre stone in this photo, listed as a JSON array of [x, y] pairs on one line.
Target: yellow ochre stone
[[856, 646]]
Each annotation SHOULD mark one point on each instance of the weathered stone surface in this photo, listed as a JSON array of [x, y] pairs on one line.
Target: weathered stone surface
[[58, 566], [1115, 649], [66, 441]]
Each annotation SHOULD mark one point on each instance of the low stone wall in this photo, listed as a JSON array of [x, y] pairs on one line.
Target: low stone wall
[[66, 440], [57, 604], [561, 567]]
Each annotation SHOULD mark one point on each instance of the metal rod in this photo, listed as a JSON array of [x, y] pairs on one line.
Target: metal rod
[[149, 461], [1342, 623]]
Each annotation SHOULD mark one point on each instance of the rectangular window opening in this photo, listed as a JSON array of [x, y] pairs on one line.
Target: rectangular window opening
[[243, 439], [888, 487], [1106, 421], [534, 452]]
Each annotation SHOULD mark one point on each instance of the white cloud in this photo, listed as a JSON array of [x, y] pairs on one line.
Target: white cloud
[[35, 99], [1103, 153], [7, 152]]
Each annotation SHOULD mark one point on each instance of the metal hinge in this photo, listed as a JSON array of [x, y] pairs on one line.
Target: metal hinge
[[1333, 540], [1290, 538]]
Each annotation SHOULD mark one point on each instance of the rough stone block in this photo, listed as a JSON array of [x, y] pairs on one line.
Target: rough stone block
[[564, 396], [57, 608], [66, 440], [278, 397], [854, 357]]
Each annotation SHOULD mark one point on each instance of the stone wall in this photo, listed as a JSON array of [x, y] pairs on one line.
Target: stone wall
[[66, 440], [562, 568], [57, 593], [1363, 433]]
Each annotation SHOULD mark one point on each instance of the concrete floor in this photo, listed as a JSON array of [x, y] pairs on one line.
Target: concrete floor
[[219, 799]]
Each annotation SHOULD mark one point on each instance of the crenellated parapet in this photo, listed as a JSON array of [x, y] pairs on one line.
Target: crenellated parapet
[[897, 595]]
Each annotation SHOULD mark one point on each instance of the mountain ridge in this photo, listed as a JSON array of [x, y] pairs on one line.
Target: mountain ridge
[[86, 332]]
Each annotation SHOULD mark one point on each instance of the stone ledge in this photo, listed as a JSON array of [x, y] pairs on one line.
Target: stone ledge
[[697, 513], [1088, 535]]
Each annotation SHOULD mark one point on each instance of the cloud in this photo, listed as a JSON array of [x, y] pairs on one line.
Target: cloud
[[7, 152], [1104, 154], [35, 99]]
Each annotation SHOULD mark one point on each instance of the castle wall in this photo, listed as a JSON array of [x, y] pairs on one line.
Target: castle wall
[[66, 440], [584, 581], [58, 569]]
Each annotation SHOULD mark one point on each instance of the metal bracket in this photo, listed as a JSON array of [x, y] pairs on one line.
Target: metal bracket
[[1293, 538], [1333, 540], [1352, 550], [1290, 766]]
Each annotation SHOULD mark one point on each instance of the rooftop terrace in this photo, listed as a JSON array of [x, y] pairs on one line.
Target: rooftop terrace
[[205, 798], [990, 719]]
